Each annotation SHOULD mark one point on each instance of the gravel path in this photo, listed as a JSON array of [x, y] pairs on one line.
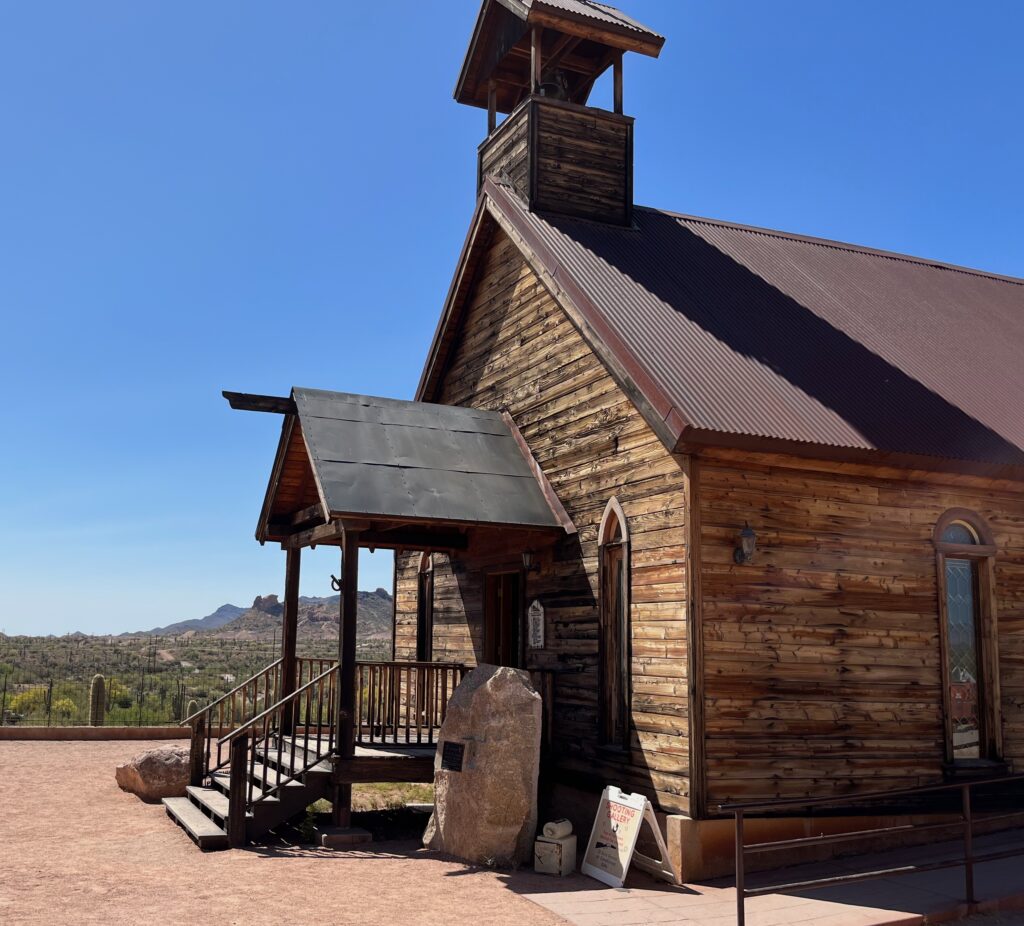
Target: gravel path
[[74, 848]]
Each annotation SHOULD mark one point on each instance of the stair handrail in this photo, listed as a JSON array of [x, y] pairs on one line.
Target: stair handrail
[[298, 691], [243, 748], [209, 707]]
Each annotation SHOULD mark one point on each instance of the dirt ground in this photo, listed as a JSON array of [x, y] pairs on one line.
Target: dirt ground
[[74, 848]]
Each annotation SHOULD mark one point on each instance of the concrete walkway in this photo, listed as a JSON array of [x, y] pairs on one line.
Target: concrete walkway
[[926, 897]]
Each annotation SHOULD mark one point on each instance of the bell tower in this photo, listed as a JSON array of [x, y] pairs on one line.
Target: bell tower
[[537, 61]]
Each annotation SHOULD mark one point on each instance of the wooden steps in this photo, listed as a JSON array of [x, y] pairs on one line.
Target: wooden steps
[[203, 813], [204, 832]]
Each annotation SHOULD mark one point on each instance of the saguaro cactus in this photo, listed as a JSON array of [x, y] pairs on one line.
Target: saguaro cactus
[[97, 702], [191, 708]]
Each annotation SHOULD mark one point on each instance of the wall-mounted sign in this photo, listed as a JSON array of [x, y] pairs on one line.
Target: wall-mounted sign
[[535, 619], [452, 755], [612, 845]]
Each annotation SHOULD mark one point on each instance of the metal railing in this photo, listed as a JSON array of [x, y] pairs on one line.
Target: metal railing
[[968, 860]]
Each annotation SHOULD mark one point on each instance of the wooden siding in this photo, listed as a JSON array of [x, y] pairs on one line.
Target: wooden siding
[[821, 657], [584, 163], [506, 152], [572, 160], [518, 350]]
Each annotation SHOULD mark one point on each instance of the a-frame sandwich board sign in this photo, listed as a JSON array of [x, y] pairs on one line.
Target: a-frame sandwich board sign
[[612, 845]]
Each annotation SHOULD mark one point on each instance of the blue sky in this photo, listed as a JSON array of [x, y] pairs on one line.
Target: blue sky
[[251, 195]]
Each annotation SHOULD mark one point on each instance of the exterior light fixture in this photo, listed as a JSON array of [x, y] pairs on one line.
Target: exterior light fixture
[[530, 563], [747, 546]]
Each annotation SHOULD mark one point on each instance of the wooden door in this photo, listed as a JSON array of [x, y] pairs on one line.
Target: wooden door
[[503, 610]]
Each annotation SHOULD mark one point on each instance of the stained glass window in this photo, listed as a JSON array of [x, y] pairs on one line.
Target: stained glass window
[[962, 668], [959, 532]]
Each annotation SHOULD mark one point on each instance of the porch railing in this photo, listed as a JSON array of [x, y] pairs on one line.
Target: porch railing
[[403, 703], [966, 825], [397, 703]]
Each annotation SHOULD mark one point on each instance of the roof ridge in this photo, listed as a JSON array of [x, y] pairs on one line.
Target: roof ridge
[[840, 245]]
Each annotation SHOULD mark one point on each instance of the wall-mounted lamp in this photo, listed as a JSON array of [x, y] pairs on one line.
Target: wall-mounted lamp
[[747, 546], [530, 563]]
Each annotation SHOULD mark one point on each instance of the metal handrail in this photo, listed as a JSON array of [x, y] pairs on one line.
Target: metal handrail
[[968, 860], [270, 710], [234, 691], [863, 797]]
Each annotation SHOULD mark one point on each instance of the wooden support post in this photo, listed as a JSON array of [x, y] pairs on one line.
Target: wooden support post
[[492, 106], [289, 632], [238, 791], [535, 63], [347, 670], [617, 79], [197, 752]]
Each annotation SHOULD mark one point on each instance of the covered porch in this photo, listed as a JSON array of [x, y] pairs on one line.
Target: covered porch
[[357, 472]]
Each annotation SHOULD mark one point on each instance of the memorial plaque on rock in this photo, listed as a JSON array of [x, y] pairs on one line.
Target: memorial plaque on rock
[[452, 756], [486, 770]]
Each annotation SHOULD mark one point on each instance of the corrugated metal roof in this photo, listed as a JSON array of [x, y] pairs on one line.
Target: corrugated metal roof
[[600, 12], [748, 331], [390, 458]]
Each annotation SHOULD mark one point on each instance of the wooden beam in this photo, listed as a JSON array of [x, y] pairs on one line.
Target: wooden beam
[[289, 632], [325, 534], [373, 768], [346, 741], [492, 106], [535, 62], [562, 49], [617, 76], [298, 519], [415, 539], [246, 402]]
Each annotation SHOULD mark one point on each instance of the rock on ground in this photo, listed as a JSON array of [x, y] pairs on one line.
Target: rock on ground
[[487, 813], [156, 773]]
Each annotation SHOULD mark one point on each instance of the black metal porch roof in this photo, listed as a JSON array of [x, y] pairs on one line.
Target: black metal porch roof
[[395, 459]]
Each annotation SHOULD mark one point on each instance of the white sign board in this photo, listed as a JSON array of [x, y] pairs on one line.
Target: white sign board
[[612, 845], [535, 619]]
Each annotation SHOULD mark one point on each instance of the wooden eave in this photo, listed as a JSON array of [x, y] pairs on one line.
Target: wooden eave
[[499, 50], [291, 431]]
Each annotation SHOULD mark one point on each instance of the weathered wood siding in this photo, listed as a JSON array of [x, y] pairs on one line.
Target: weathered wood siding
[[519, 350], [584, 163], [564, 158], [507, 152], [822, 656]]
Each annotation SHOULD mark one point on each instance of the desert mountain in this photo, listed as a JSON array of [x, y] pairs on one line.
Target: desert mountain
[[318, 619], [224, 614]]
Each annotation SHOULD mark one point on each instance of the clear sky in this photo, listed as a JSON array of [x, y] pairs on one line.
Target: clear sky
[[253, 195]]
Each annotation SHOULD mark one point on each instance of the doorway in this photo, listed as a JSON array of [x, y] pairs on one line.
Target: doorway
[[503, 609]]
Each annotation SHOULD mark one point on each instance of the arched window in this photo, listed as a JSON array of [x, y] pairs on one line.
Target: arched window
[[970, 664], [614, 645], [425, 610]]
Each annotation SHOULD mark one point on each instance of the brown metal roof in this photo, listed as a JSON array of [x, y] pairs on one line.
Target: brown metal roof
[[732, 330], [599, 12]]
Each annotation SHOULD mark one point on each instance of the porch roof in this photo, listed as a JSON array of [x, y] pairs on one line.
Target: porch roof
[[376, 459]]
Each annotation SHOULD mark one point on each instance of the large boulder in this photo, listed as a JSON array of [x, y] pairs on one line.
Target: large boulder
[[156, 773], [487, 812]]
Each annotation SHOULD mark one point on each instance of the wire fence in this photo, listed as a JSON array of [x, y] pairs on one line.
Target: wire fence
[[125, 700], [52, 681]]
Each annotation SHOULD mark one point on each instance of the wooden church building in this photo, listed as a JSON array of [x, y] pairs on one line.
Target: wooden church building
[[748, 505]]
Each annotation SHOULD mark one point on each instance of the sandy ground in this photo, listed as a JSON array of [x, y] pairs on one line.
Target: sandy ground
[[74, 848]]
